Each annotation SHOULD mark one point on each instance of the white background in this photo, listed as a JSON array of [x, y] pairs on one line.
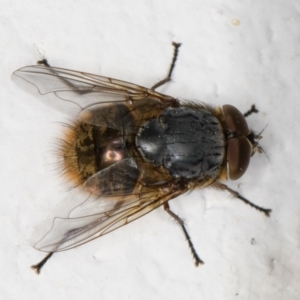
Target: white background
[[236, 52]]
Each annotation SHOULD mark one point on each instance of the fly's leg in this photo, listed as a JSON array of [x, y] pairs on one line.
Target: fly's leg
[[197, 259], [155, 86], [44, 62], [37, 268], [169, 76], [235, 194], [252, 110]]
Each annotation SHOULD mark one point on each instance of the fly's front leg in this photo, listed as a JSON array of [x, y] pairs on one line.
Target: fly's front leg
[[169, 76], [235, 194], [252, 110], [197, 259]]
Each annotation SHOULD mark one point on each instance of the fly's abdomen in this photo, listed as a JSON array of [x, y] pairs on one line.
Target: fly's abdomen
[[188, 142]]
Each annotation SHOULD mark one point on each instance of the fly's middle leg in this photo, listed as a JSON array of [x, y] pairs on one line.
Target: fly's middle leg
[[196, 257], [169, 76]]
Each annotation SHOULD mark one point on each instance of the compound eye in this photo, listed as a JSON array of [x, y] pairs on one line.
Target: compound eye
[[238, 156], [235, 120]]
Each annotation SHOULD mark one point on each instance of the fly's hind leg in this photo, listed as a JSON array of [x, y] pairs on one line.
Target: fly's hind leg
[[37, 268], [169, 76], [235, 194], [44, 62], [197, 259]]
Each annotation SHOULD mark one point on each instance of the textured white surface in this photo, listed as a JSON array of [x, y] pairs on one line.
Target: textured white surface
[[237, 52]]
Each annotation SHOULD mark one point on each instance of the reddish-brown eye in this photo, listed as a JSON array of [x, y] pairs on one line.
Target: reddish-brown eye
[[235, 120], [239, 153], [239, 147]]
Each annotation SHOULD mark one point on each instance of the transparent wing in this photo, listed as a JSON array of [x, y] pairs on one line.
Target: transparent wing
[[78, 91], [111, 198], [70, 232]]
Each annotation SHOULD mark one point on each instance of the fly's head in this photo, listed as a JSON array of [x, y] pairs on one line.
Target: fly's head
[[242, 143]]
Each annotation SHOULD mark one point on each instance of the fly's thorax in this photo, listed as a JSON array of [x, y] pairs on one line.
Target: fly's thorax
[[188, 141]]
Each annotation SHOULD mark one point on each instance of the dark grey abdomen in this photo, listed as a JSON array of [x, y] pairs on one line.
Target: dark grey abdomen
[[188, 142]]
